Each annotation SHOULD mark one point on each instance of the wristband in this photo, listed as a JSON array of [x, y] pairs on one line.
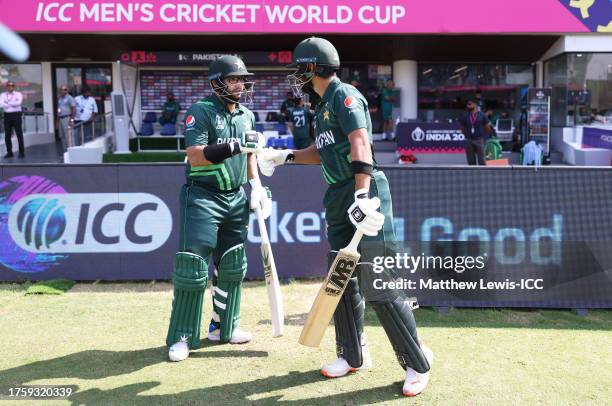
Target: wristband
[[362, 194], [217, 153], [361, 167]]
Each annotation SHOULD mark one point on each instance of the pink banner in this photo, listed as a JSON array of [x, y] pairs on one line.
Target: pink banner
[[292, 16]]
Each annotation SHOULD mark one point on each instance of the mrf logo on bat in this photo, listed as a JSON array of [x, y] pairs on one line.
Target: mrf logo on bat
[[338, 279]]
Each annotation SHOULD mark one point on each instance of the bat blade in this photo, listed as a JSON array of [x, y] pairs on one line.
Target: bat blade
[[275, 298], [329, 295]]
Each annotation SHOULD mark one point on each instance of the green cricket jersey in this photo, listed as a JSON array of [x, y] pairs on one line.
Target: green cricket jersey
[[301, 119], [342, 109], [209, 122]]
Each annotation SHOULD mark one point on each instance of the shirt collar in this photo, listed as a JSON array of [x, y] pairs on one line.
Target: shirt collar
[[330, 89]]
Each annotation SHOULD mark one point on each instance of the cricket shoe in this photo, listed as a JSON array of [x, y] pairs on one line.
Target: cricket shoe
[[340, 367], [416, 382], [179, 351], [238, 336]]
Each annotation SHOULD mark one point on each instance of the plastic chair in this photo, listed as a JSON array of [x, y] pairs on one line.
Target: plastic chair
[[146, 128], [281, 128], [150, 117], [168, 129], [289, 141], [279, 143]]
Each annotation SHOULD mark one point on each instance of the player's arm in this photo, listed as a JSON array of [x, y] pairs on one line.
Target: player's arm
[[307, 156], [361, 152]]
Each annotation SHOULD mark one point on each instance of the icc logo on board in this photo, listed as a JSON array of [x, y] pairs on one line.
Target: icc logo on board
[[90, 222], [41, 223], [418, 134]]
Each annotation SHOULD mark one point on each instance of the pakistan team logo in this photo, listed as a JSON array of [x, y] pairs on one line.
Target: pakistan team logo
[[220, 123]]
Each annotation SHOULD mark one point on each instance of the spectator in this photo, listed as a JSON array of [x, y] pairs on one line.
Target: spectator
[[287, 104], [386, 107], [475, 126], [86, 110], [10, 102], [66, 109], [299, 123], [170, 111]]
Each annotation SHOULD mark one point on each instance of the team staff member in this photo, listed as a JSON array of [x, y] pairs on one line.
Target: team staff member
[[66, 109], [343, 148], [300, 119], [86, 110], [170, 110], [215, 210], [10, 102], [475, 126]]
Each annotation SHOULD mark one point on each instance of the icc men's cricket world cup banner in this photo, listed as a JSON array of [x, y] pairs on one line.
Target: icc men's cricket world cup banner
[[520, 237]]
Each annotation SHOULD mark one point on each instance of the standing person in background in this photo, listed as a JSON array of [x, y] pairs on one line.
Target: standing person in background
[[66, 109], [285, 107], [10, 102], [86, 110], [475, 126], [300, 124], [386, 104]]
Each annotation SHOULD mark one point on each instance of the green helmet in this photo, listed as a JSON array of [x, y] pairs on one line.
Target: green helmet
[[315, 50], [230, 66], [225, 66], [313, 56]]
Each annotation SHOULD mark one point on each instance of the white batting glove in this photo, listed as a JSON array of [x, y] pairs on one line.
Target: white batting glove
[[260, 197], [254, 143], [364, 214], [268, 159]]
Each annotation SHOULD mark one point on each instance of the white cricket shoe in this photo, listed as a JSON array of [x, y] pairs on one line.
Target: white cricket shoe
[[416, 382], [238, 336], [179, 351], [340, 367]]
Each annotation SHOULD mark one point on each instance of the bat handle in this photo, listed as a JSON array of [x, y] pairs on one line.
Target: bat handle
[[355, 241], [262, 226]]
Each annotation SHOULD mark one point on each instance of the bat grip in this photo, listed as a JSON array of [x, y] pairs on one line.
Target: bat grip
[[355, 241], [263, 232]]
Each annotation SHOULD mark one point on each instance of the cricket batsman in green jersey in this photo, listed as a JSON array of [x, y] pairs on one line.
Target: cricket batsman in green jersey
[[220, 145], [343, 148], [300, 119]]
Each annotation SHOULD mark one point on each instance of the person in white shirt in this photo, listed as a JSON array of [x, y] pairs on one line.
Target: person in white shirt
[[10, 102], [86, 110]]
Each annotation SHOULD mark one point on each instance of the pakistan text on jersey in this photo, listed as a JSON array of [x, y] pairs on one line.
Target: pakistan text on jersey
[[227, 140], [324, 139]]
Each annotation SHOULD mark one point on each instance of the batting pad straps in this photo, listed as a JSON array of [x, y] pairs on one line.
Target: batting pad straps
[[362, 167], [217, 153]]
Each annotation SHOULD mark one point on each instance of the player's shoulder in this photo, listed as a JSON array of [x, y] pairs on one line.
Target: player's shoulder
[[348, 95]]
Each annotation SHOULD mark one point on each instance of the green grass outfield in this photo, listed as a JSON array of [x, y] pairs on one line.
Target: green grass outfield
[[107, 341]]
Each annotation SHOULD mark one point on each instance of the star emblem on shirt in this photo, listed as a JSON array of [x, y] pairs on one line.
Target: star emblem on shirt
[[325, 115]]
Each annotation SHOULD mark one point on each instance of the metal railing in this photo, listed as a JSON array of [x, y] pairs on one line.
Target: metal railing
[[86, 131], [31, 122]]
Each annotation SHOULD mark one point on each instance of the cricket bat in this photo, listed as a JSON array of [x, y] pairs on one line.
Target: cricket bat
[[275, 298], [331, 291]]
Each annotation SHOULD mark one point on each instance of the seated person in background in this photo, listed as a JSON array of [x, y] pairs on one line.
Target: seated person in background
[[284, 109], [299, 123], [170, 111]]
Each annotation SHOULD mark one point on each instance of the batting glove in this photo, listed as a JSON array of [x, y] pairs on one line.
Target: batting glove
[[364, 214], [260, 197], [268, 159]]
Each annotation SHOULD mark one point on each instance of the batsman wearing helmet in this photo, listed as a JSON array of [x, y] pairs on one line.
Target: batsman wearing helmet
[[220, 143], [343, 148]]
